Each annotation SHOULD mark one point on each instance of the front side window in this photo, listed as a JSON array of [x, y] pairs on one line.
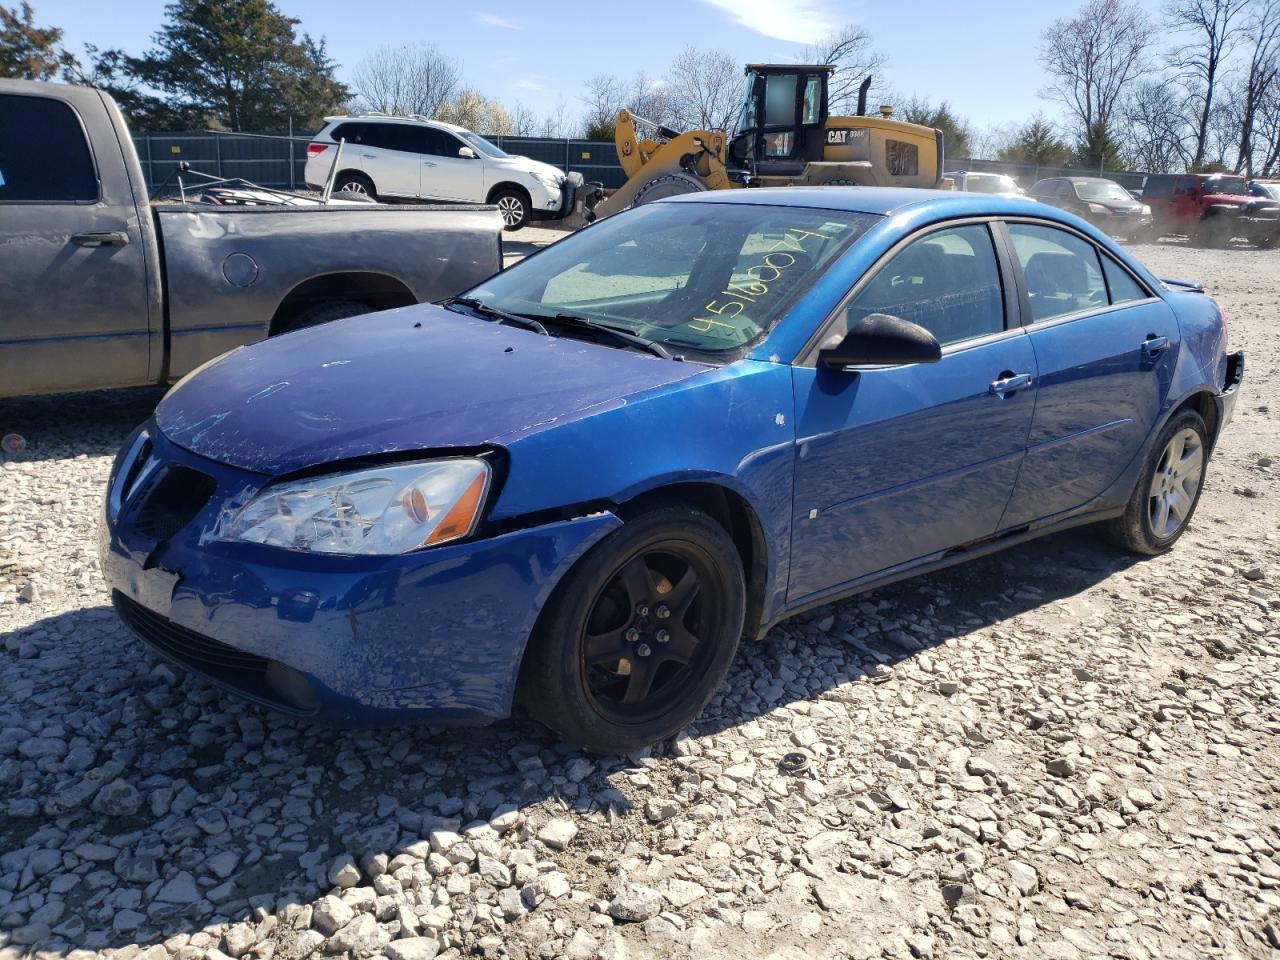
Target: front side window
[[709, 278], [53, 167], [948, 282], [1062, 272]]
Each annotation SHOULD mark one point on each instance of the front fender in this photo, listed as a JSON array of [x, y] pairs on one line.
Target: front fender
[[729, 426]]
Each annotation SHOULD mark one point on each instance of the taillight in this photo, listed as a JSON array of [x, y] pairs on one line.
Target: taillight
[[315, 149]]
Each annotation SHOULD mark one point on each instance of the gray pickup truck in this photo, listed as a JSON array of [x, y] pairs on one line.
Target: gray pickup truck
[[101, 288]]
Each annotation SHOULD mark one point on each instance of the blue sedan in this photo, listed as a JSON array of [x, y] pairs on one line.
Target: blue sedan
[[584, 480]]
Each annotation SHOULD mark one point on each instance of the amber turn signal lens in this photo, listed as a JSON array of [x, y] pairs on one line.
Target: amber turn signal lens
[[462, 515]]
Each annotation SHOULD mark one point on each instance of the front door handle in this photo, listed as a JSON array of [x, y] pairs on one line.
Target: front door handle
[[114, 238], [1010, 384], [428, 163], [369, 156], [1153, 345]]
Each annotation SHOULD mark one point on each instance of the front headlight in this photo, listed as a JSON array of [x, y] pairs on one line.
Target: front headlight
[[1146, 211], [551, 181], [1097, 208], [381, 511]]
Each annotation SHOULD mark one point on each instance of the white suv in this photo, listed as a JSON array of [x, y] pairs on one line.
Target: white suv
[[419, 159]]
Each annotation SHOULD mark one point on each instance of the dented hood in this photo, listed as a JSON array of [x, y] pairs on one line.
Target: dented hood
[[416, 378]]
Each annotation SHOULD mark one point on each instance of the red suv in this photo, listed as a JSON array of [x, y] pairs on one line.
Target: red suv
[[1203, 206]]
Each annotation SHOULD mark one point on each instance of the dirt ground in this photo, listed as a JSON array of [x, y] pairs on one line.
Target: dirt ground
[[1057, 752]]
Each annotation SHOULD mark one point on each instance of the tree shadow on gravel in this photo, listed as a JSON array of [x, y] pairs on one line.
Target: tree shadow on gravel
[[99, 420]]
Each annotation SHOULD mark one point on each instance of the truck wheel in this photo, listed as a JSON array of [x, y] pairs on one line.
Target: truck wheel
[[639, 634], [514, 205], [323, 313], [356, 183]]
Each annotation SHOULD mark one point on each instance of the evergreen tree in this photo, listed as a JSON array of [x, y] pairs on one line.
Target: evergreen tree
[[28, 52]]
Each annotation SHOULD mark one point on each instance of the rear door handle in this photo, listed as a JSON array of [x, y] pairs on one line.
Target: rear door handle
[[114, 238], [369, 156], [1011, 384], [1153, 345], [428, 163]]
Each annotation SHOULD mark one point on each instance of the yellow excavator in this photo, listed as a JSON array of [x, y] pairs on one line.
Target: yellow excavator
[[784, 137]]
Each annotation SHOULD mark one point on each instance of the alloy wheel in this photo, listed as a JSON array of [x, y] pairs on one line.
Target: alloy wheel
[[354, 186], [645, 643], [1176, 481], [512, 210]]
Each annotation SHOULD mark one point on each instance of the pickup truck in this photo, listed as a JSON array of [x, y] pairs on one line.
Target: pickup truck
[[100, 287]]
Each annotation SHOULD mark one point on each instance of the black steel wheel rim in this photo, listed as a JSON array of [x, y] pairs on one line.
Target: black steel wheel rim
[[651, 631]]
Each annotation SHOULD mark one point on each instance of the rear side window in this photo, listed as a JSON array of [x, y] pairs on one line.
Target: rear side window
[[1120, 284], [1157, 187], [947, 281], [54, 167], [1062, 271], [394, 136]]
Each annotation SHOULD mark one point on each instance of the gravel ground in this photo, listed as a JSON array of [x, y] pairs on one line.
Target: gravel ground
[[1057, 752]]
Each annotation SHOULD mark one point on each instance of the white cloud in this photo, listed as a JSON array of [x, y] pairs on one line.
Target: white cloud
[[796, 21], [496, 21]]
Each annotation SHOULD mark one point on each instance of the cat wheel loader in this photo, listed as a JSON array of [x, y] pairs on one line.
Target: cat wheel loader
[[784, 137]]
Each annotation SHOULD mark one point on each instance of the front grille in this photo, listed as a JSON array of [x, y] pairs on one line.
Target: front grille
[[257, 677], [173, 502]]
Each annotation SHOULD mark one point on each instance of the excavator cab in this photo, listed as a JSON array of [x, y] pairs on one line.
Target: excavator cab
[[782, 126]]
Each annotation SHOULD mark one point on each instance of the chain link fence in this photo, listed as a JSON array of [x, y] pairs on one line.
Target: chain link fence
[[279, 160]]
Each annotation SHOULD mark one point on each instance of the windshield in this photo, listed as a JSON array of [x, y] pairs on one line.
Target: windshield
[[990, 184], [704, 277], [1228, 186], [483, 145], [1101, 190], [1271, 190]]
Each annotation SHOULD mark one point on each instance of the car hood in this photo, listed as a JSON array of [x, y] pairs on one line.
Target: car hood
[[526, 165], [1119, 206], [417, 378]]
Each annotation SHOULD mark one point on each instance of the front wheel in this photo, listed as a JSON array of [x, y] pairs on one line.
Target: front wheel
[[639, 634], [1165, 496], [514, 207]]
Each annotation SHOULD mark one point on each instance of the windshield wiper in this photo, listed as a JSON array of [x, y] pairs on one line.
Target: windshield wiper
[[493, 313], [578, 321]]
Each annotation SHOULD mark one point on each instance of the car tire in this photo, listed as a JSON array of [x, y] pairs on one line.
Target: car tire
[[357, 183], [630, 602], [1163, 501], [324, 312], [514, 205]]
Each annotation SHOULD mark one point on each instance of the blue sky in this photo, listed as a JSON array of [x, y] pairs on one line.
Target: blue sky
[[981, 57]]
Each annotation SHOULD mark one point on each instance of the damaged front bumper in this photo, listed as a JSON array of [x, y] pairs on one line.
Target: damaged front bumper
[[435, 635], [1225, 400]]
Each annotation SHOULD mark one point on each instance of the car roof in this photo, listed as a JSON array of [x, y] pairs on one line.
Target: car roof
[[388, 118], [882, 201]]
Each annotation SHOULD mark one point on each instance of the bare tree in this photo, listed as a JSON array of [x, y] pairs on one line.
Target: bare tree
[[405, 80], [524, 122], [1153, 133], [604, 97], [1214, 26], [705, 88], [1268, 127], [1092, 58], [850, 51], [1262, 79], [556, 124]]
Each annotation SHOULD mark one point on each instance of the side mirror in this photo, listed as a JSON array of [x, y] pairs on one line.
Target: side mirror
[[466, 153], [881, 340]]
